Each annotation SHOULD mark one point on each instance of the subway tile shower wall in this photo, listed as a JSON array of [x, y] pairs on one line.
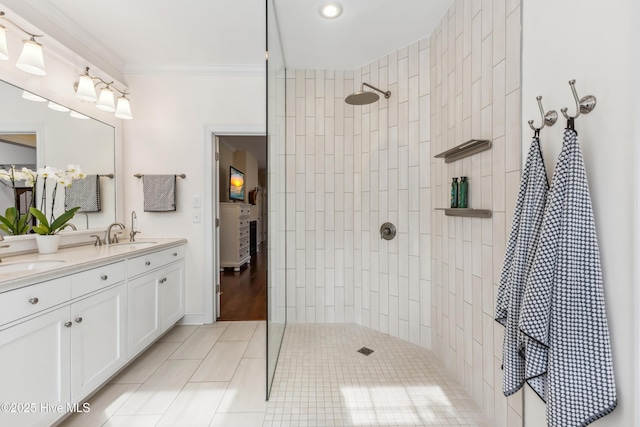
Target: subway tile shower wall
[[475, 88], [354, 169], [350, 169]]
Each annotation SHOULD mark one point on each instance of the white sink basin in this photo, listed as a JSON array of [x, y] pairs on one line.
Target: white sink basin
[[29, 265]]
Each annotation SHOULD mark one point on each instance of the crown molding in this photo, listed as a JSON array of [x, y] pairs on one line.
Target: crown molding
[[250, 70], [71, 40]]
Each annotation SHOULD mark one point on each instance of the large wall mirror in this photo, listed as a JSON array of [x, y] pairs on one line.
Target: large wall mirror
[[34, 135]]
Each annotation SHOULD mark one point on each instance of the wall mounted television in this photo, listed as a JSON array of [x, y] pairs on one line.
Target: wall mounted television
[[236, 184]]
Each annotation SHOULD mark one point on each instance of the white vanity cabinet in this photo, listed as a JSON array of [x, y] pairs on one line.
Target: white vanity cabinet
[[156, 296], [98, 343], [63, 338], [35, 369]]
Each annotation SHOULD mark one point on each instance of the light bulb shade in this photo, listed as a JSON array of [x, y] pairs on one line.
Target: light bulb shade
[[106, 103], [77, 115], [86, 90], [58, 107], [32, 97], [4, 51], [123, 111], [31, 59]]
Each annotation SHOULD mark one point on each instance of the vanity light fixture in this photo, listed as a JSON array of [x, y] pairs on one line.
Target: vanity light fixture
[[331, 10], [31, 59], [58, 107], [77, 115], [32, 97], [85, 89]]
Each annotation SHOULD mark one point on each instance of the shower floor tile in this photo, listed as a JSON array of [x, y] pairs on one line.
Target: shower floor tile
[[321, 379]]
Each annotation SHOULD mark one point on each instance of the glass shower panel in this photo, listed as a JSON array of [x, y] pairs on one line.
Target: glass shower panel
[[276, 192]]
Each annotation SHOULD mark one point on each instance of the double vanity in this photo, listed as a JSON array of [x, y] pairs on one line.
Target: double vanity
[[69, 321]]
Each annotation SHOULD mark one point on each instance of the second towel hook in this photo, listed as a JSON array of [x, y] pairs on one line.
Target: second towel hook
[[584, 105], [548, 119]]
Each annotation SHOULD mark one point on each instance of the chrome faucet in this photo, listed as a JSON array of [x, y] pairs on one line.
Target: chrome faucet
[[3, 246], [108, 239], [133, 233]]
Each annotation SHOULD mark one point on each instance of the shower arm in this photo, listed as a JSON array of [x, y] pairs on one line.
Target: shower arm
[[386, 94]]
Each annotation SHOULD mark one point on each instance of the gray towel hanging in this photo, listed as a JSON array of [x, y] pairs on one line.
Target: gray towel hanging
[[568, 359], [159, 193], [523, 241], [84, 193]]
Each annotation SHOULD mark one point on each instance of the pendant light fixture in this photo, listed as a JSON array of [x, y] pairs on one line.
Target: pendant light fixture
[[31, 59], [86, 87]]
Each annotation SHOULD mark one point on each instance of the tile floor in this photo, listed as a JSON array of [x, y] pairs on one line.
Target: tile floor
[[213, 376]]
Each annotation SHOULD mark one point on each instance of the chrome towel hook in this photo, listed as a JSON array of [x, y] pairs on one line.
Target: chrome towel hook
[[548, 119], [584, 105]]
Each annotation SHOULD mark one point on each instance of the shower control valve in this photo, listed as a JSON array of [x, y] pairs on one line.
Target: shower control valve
[[387, 231]]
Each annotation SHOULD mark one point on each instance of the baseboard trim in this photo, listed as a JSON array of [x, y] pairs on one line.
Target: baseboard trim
[[192, 319]]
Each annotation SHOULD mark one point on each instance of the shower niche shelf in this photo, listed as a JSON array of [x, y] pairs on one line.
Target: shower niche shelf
[[474, 213], [465, 149]]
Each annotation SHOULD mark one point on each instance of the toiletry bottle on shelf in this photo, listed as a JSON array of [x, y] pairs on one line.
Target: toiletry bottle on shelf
[[454, 193], [463, 190]]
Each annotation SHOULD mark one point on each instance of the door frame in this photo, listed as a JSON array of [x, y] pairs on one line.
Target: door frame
[[212, 206]]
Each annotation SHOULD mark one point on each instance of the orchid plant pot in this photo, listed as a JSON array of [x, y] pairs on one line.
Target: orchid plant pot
[[48, 243]]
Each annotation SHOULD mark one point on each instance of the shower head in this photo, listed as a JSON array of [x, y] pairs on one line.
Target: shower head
[[365, 97]]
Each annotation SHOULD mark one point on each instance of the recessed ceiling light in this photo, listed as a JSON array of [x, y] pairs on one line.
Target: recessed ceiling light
[[331, 10]]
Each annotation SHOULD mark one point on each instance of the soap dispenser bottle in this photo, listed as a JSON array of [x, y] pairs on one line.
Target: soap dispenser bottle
[[463, 189], [454, 193]]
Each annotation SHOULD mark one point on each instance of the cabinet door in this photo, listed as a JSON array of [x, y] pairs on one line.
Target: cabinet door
[[98, 345], [171, 285], [142, 325], [34, 368]]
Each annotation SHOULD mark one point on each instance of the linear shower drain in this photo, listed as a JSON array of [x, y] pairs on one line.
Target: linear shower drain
[[366, 351]]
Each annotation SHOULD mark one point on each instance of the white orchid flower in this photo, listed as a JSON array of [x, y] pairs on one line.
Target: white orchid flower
[[5, 175], [47, 172], [64, 181]]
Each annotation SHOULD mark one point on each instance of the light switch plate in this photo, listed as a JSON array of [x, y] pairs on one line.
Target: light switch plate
[[196, 217], [196, 201]]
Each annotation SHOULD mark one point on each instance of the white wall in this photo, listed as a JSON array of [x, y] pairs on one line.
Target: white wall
[[168, 136], [593, 42]]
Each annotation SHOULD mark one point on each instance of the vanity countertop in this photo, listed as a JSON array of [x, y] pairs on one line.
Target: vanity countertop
[[76, 259]]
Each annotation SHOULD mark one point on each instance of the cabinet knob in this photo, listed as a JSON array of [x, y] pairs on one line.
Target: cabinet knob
[[78, 319], [104, 277], [67, 324], [33, 300], [164, 279], [147, 263], [175, 254]]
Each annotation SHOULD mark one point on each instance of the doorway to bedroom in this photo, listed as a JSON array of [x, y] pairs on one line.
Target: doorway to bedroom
[[242, 179]]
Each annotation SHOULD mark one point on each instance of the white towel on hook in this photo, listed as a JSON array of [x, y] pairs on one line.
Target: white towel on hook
[[523, 240], [567, 350]]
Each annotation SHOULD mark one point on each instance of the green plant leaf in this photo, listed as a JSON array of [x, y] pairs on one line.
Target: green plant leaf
[[43, 226], [63, 219], [13, 223]]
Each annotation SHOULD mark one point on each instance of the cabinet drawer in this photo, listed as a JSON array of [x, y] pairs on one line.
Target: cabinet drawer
[[244, 211], [243, 232], [243, 253], [25, 301], [97, 278], [144, 263], [244, 243]]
